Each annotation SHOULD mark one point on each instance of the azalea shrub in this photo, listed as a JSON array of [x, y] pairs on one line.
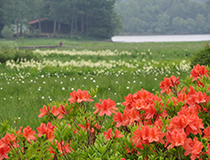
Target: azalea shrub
[[172, 124]]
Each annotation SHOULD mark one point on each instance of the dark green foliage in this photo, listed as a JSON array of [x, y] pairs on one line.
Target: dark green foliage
[[92, 18], [164, 16], [7, 53], [7, 32], [202, 57]]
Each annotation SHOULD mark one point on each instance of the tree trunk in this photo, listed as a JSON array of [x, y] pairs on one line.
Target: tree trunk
[[17, 29], [87, 28], [82, 24], [21, 27], [75, 24], [72, 24], [21, 19], [59, 27], [40, 27], [54, 28]]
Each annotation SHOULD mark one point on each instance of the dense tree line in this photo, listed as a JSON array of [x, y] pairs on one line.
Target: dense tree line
[[164, 16], [96, 18]]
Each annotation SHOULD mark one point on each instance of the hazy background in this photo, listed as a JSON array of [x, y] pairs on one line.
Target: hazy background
[[164, 16], [106, 18]]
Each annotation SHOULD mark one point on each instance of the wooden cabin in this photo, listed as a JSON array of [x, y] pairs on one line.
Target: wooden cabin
[[47, 26]]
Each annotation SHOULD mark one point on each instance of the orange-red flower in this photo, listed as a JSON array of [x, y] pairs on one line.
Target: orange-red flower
[[150, 111], [108, 135], [194, 125], [4, 152], [119, 119], [86, 126], [208, 150], [140, 104], [146, 135], [80, 96], [198, 72], [47, 130], [178, 122], [117, 134], [193, 147], [206, 132], [166, 85], [9, 139], [60, 111], [174, 80], [175, 138], [44, 111], [62, 146], [131, 116], [142, 94], [128, 101], [28, 134], [106, 108], [169, 83], [155, 135]]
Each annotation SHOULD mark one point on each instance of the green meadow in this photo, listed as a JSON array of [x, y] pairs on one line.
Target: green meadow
[[25, 88]]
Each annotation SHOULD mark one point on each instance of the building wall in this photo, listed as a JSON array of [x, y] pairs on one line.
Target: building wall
[[48, 26]]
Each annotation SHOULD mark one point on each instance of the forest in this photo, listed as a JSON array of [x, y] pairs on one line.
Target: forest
[[164, 16], [92, 18], [106, 18]]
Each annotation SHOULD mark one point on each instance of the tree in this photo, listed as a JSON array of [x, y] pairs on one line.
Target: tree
[[179, 25], [200, 22], [191, 25], [163, 23], [101, 19], [7, 32], [164, 16], [39, 10], [15, 12], [1, 16]]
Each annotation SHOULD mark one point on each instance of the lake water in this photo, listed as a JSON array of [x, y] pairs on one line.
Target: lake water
[[162, 38]]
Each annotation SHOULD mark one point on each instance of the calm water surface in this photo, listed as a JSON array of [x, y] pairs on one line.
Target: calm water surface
[[162, 38]]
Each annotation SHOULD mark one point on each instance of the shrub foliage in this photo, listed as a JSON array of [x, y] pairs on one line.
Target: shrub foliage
[[173, 124], [7, 53], [7, 32], [202, 57]]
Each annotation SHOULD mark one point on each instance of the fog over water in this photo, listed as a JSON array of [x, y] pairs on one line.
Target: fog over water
[[162, 38]]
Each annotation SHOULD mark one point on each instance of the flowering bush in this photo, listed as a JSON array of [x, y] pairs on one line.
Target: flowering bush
[[173, 124]]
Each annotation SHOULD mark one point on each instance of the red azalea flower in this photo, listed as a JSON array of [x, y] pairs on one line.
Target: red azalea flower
[[4, 152], [9, 139], [80, 96], [28, 134], [107, 107], [198, 72], [60, 111], [47, 130], [108, 134], [165, 85], [193, 147], [119, 119], [206, 132], [128, 101], [175, 138], [44, 111], [117, 134]]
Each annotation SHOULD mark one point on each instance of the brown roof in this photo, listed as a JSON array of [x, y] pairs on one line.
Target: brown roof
[[36, 21]]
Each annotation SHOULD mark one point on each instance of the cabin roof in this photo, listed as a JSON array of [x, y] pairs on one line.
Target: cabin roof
[[36, 21]]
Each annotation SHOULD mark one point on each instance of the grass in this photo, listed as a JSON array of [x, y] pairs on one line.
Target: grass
[[23, 97], [23, 93]]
